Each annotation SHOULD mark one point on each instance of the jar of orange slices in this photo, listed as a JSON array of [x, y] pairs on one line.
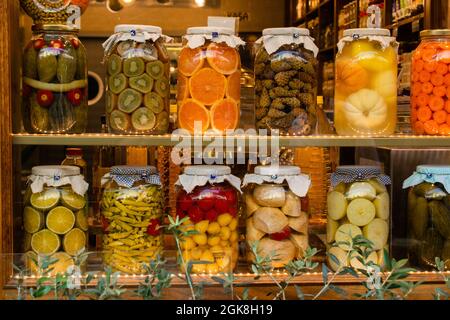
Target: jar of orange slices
[[430, 84], [366, 83], [209, 80]]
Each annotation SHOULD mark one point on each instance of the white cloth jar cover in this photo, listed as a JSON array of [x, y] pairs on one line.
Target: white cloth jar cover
[[57, 176], [137, 33], [298, 183], [197, 176], [197, 36], [382, 36], [274, 38]]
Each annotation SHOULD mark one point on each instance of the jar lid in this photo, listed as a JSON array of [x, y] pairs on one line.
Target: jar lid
[[127, 176], [367, 32], [51, 171], [54, 27], [74, 152], [140, 27], [133, 170], [277, 170], [433, 33], [209, 30], [433, 169], [349, 174], [205, 170], [286, 31]]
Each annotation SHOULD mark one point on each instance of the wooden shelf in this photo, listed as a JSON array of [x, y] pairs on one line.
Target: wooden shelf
[[405, 21], [168, 140]]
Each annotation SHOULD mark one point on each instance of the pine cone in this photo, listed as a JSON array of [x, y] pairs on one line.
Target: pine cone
[[264, 101], [275, 113], [295, 63], [291, 102], [282, 78], [262, 124], [279, 92], [296, 84], [259, 68], [280, 65], [305, 77], [282, 123], [308, 88], [268, 72], [268, 84], [262, 56], [306, 98], [258, 85], [261, 113], [277, 103]]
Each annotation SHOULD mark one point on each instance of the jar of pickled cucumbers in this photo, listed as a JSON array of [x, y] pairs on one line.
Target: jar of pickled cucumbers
[[357, 205], [207, 200], [430, 84], [428, 227], [209, 80], [366, 83], [137, 85], [286, 81], [54, 81], [131, 212], [54, 217], [276, 213]]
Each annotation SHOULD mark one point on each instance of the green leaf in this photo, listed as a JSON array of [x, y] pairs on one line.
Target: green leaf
[[324, 273], [400, 264], [299, 292], [338, 290], [387, 259]]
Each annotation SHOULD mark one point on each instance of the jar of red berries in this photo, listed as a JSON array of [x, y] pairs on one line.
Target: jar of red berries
[[207, 201]]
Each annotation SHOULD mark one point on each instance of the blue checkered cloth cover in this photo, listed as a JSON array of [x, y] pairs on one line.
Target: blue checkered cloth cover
[[349, 174]]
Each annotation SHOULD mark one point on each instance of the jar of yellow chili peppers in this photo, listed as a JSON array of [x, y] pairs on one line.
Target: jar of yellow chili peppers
[[131, 212]]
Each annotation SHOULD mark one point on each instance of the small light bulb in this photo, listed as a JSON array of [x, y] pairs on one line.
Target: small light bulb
[[200, 3]]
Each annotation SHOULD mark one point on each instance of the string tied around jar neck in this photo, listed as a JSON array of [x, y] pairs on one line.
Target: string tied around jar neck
[[349, 174], [429, 173], [127, 176]]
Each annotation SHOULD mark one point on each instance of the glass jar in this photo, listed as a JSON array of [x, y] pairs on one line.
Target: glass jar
[[208, 197], [74, 157], [54, 81], [430, 84], [54, 11], [55, 216], [366, 83], [131, 213], [286, 81], [428, 227], [357, 205], [276, 214], [209, 80], [137, 84]]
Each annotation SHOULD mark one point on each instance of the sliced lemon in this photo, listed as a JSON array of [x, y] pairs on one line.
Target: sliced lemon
[[73, 200], [74, 241], [64, 262], [33, 220], [45, 200], [60, 220], [27, 242], [81, 220], [45, 242]]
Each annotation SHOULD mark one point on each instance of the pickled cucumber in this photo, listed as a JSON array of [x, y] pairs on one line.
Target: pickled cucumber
[[30, 63], [61, 114], [67, 65], [419, 218], [39, 116], [431, 246], [47, 65], [440, 218], [81, 63]]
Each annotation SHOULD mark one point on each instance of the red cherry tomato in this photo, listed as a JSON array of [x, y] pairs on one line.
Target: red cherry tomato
[[205, 204], [230, 195], [279, 236], [75, 96], [44, 98], [211, 215], [233, 210], [153, 228], [185, 202], [58, 44], [221, 205], [75, 43], [39, 44], [195, 214]]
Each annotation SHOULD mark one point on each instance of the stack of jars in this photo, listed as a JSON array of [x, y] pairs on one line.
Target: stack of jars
[[54, 73]]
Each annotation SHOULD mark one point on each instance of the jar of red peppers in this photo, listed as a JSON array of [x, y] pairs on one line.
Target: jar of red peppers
[[131, 212], [430, 84], [277, 213], [208, 197], [54, 81]]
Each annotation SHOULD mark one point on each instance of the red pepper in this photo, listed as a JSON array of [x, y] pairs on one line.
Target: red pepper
[[279, 236], [58, 44], [45, 98], [75, 43], [39, 43], [75, 96], [105, 224], [195, 214], [153, 228]]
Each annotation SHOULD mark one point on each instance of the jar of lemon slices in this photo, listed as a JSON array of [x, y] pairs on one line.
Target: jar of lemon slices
[[55, 216]]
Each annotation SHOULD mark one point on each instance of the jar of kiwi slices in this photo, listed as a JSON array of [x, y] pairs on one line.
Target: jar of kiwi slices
[[138, 88]]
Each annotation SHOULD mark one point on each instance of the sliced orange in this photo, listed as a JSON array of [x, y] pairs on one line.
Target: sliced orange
[[191, 111], [222, 58], [190, 61], [234, 86], [182, 87], [225, 115], [207, 86]]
